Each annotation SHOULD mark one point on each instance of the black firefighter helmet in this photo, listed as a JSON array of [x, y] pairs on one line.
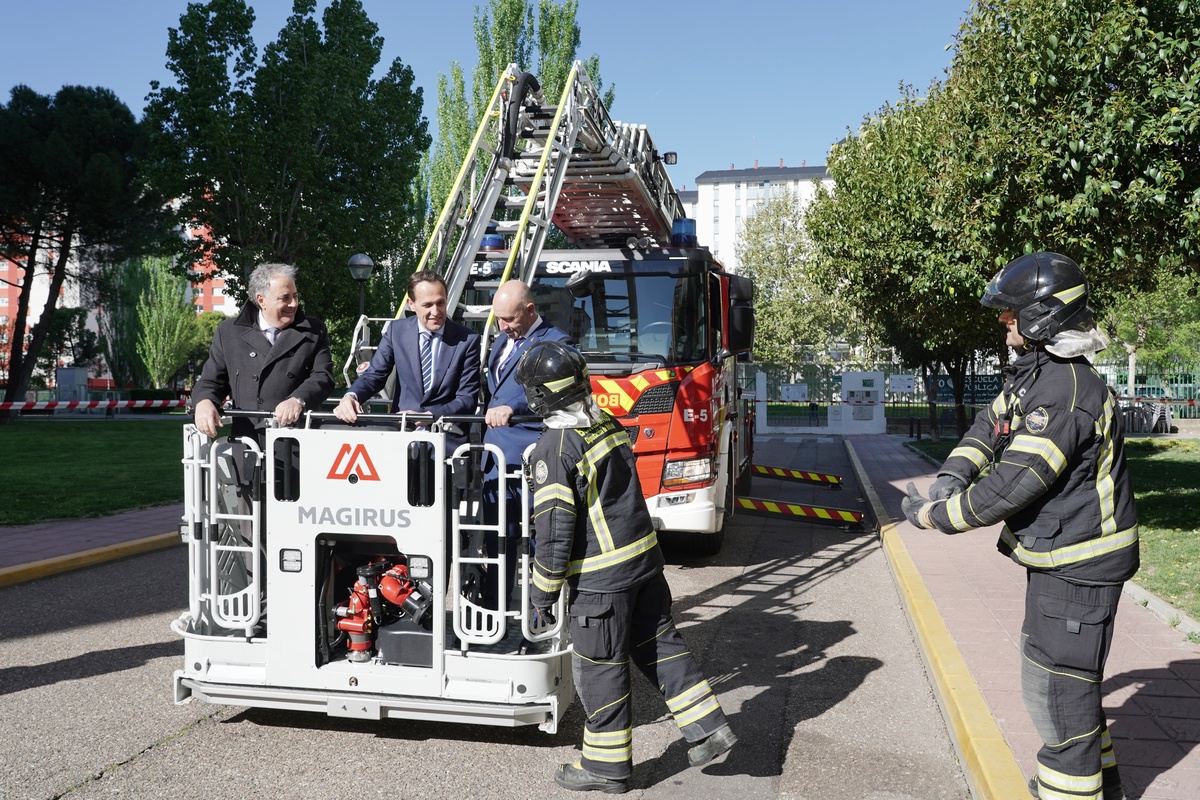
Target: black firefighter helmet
[[554, 377], [1048, 292]]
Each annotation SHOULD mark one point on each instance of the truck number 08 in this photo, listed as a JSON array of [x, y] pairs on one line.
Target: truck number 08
[[693, 415]]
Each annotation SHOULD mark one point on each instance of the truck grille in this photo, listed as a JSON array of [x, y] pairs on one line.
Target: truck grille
[[656, 400]]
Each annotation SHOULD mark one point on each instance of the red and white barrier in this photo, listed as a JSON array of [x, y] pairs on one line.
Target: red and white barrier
[[77, 404]]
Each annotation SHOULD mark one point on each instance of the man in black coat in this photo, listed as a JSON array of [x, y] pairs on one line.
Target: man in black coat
[[271, 357]]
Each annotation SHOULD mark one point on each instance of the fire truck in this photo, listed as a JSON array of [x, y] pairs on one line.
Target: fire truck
[[661, 323], [338, 568]]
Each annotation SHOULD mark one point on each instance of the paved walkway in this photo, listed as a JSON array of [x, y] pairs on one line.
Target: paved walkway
[[965, 602], [1152, 684]]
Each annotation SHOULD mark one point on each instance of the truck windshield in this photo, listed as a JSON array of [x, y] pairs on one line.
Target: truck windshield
[[628, 316]]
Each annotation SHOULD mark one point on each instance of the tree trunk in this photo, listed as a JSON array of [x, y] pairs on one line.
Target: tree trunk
[[22, 361]]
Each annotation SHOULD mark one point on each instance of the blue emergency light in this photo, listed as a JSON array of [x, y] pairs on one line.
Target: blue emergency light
[[683, 232]]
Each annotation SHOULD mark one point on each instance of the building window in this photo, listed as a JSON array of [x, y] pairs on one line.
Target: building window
[[3, 319], [3, 301]]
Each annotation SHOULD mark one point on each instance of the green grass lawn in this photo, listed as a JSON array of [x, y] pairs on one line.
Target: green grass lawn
[[1166, 485], [56, 469]]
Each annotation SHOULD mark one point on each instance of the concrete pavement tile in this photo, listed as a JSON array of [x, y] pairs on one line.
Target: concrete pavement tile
[[1138, 753], [1133, 726], [1162, 707]]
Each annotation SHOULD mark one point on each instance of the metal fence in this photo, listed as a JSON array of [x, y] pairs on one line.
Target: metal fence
[[1161, 398]]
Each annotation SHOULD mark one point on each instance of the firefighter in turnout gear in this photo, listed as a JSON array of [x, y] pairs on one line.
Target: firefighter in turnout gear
[[1054, 442], [594, 534]]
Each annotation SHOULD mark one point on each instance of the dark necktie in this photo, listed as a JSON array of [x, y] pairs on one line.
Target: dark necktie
[[427, 359]]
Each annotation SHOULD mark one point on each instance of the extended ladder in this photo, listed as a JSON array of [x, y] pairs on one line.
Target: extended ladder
[[602, 182]]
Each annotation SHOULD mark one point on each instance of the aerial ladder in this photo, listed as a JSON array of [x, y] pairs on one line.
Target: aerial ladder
[[601, 182]]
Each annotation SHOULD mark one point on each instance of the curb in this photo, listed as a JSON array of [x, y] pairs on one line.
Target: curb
[[1169, 614], [990, 767], [10, 576]]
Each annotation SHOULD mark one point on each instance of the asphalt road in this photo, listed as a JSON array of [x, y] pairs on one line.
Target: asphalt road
[[798, 626]]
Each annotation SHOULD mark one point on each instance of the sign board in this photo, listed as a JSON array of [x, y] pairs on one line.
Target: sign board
[[902, 383], [979, 388], [794, 392]]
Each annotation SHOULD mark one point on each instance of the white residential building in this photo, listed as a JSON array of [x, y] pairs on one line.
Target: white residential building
[[722, 199]]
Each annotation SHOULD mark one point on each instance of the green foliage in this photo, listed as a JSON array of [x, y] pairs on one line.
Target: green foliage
[[796, 320], [206, 327], [506, 32], [168, 322], [71, 195], [1157, 326], [1077, 132], [1065, 126], [302, 158], [69, 342], [882, 247], [121, 285]]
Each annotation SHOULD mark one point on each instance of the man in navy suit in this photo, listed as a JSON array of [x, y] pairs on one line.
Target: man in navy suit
[[522, 326], [439, 375]]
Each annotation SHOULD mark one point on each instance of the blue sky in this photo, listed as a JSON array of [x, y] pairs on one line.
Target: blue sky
[[722, 82]]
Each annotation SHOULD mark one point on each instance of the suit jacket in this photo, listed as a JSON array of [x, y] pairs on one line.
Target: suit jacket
[[243, 365], [503, 390], [455, 388]]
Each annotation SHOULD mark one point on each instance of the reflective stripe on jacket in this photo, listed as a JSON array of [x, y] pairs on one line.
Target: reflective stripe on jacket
[[1059, 481], [592, 528]]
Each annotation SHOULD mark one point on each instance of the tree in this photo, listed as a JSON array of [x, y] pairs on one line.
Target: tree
[[71, 195], [206, 327], [120, 288], [1077, 132], [168, 322], [794, 315], [1156, 327], [70, 343], [883, 245], [303, 158]]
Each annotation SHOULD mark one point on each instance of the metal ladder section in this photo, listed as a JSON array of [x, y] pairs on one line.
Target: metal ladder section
[[601, 182]]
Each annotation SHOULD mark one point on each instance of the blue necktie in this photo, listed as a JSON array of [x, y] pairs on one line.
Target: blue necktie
[[427, 359]]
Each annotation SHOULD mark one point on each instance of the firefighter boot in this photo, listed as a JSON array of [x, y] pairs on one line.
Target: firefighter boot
[[578, 779], [718, 742]]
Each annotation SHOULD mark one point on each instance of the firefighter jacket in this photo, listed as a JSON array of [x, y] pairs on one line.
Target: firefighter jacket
[[592, 528], [1054, 442]]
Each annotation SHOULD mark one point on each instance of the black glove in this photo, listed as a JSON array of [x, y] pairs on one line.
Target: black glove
[[913, 505], [946, 486], [543, 617]]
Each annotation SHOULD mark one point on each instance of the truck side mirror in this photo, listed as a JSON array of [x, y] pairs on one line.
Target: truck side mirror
[[741, 313]]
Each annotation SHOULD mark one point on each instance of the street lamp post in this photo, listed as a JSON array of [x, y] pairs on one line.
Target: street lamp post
[[360, 266]]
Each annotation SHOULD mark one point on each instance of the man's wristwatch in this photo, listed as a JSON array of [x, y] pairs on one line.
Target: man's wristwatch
[[301, 402]]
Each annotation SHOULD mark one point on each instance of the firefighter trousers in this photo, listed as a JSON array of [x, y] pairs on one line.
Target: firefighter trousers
[[608, 631], [1066, 638]]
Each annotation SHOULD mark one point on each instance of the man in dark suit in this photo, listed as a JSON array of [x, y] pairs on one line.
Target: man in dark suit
[[522, 326], [435, 358], [271, 357]]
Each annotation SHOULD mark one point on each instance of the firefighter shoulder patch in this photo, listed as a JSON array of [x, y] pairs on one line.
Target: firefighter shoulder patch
[[1037, 420], [540, 472]]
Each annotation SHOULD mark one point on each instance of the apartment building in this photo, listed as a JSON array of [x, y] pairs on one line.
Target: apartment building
[[723, 199]]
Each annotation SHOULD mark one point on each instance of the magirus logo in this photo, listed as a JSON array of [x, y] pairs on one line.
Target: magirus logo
[[353, 464]]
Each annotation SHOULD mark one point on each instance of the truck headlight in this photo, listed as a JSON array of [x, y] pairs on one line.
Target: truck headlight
[[693, 470]]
